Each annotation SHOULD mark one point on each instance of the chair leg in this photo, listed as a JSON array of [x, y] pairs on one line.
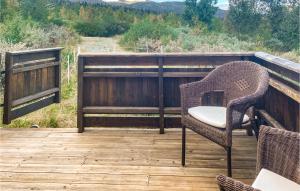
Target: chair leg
[[249, 130], [255, 128], [183, 146], [229, 170]]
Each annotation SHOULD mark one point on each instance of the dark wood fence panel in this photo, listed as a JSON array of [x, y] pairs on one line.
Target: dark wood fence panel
[[281, 105], [32, 81], [143, 89], [121, 91], [172, 92], [282, 109], [139, 89]]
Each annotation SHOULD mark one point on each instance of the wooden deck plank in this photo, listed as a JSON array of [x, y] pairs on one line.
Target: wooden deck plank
[[117, 159]]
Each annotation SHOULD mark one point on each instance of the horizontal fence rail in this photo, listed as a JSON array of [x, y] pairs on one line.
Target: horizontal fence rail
[[134, 90], [32, 81], [139, 89], [281, 106]]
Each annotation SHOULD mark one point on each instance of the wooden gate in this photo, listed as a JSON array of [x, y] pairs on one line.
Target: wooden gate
[[32, 81]]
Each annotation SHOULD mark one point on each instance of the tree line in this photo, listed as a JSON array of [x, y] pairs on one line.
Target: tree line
[[274, 22]]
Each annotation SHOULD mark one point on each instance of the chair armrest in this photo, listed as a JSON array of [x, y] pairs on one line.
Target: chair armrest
[[229, 184], [237, 108], [191, 94], [279, 151]]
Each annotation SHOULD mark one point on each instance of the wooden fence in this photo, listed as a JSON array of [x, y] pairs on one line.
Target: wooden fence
[[143, 89], [32, 81], [281, 106]]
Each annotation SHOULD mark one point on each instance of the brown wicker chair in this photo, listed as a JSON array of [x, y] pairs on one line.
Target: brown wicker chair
[[242, 84], [278, 151]]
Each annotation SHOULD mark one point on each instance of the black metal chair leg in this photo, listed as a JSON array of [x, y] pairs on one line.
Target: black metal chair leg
[[249, 130], [183, 146], [255, 128], [229, 170]]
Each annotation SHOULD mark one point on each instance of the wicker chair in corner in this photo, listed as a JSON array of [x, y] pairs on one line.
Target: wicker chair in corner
[[278, 166], [242, 84]]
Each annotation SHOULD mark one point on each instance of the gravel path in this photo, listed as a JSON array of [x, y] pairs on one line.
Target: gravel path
[[100, 44]]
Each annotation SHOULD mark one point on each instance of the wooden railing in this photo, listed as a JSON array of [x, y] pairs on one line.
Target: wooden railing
[[138, 89], [32, 81], [143, 89], [281, 106]]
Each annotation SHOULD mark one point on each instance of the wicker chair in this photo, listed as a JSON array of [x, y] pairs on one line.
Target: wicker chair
[[241, 83], [278, 151]]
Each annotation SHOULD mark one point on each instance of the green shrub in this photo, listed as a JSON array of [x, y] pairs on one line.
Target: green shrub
[[88, 28], [244, 17], [37, 10], [21, 123], [210, 42], [53, 123], [274, 44], [288, 32], [149, 30], [101, 28], [12, 30]]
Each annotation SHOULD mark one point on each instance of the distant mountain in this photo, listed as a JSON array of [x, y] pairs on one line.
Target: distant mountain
[[175, 7], [147, 5]]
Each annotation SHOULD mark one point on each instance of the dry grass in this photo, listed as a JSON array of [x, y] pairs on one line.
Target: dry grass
[[63, 115]]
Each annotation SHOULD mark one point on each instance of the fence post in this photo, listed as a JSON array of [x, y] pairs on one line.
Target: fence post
[[80, 123], [7, 87], [161, 95], [58, 77], [68, 69]]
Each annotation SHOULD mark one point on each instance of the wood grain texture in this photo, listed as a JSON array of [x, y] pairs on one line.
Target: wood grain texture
[[117, 159], [30, 75], [126, 81], [283, 109]]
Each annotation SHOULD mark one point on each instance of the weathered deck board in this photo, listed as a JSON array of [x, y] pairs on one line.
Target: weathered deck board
[[116, 159]]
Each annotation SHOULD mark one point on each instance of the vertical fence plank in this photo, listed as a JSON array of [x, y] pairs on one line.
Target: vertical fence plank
[[80, 124], [161, 94], [7, 89], [160, 97], [32, 81], [58, 78]]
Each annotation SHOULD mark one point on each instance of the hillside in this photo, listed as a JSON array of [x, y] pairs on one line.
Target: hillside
[[157, 7]]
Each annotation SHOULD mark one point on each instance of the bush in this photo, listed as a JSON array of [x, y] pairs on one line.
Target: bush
[[12, 30], [89, 28], [101, 28], [288, 32], [210, 42], [149, 30], [244, 17], [274, 44], [37, 10]]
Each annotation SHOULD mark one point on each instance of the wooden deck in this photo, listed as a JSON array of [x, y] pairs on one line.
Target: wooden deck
[[117, 159]]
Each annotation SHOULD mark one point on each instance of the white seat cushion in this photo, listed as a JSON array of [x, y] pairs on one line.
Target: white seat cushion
[[212, 115], [270, 181]]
